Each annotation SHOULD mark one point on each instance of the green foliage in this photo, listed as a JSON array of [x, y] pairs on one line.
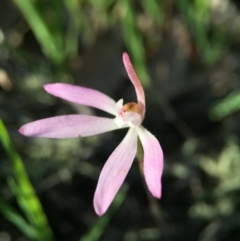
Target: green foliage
[[197, 15], [50, 42], [226, 106], [225, 170], [15, 218], [60, 42], [26, 197]]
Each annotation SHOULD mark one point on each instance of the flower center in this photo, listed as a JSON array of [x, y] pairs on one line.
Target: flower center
[[129, 107], [128, 114]]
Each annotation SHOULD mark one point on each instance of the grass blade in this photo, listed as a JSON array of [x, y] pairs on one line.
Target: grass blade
[[50, 45], [14, 217], [23, 189]]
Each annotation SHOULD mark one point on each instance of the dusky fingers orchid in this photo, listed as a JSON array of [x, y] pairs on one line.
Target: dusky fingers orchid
[[128, 115]]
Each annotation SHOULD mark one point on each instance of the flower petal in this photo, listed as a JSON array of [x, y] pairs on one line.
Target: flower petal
[[68, 126], [82, 96], [136, 82], [115, 171], [119, 106], [152, 161]]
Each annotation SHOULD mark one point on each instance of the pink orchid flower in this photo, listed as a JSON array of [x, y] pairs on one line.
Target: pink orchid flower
[[128, 115]]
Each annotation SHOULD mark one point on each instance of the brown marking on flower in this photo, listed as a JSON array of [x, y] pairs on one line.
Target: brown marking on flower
[[130, 107]]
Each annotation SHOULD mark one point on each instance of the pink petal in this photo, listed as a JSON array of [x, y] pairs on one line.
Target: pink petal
[[68, 126], [136, 82], [82, 96], [152, 162], [115, 171]]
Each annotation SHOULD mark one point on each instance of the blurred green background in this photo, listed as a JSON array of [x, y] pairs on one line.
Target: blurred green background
[[187, 55]]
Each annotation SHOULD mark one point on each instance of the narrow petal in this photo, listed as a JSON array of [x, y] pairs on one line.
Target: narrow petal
[[68, 126], [115, 171], [152, 161], [82, 96], [136, 82]]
